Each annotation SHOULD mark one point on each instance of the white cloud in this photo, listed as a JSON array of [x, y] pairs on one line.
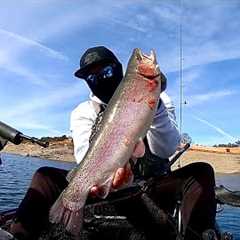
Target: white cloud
[[216, 128], [33, 125], [26, 42], [190, 76], [129, 24], [210, 32], [210, 52], [189, 82], [209, 96], [13, 45], [55, 98], [22, 71], [80, 16]]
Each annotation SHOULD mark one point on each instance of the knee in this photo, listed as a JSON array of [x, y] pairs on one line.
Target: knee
[[44, 171], [204, 173], [205, 168], [40, 175]]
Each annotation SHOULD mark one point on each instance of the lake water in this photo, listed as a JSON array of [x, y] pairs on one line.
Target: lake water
[[16, 173]]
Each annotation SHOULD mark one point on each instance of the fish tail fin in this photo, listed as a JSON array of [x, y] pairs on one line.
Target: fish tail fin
[[70, 216]]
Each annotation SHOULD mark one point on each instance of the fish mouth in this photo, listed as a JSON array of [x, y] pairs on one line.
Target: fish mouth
[[142, 56], [147, 64]]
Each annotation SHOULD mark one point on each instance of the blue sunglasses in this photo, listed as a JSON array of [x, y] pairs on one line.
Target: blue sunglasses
[[106, 72]]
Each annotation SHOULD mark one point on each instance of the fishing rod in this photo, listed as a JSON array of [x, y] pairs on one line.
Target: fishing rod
[[178, 154], [8, 133]]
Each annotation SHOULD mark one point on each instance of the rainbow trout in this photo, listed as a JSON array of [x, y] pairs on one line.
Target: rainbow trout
[[127, 118]]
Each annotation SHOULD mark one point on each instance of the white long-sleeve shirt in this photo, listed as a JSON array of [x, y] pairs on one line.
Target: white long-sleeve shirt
[[163, 136]]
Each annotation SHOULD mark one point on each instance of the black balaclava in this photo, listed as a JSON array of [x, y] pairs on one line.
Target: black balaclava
[[105, 88], [102, 56]]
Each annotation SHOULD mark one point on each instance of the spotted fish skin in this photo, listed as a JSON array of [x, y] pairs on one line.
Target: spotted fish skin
[[127, 118]]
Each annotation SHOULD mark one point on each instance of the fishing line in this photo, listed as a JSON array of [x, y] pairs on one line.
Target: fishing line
[[180, 72], [219, 130]]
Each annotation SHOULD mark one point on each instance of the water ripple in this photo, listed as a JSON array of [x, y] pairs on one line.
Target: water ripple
[[16, 173]]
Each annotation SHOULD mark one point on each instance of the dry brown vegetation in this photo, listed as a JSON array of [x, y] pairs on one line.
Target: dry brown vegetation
[[231, 150], [57, 150], [223, 160], [220, 161]]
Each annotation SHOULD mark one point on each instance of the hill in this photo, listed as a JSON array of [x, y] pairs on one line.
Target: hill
[[223, 160]]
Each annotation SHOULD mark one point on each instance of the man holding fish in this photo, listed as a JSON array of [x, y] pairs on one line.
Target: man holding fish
[[127, 130], [103, 72]]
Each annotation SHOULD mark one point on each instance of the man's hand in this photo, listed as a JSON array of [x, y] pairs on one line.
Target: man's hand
[[123, 175]]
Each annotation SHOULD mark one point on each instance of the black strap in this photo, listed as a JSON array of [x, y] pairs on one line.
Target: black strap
[[97, 122], [102, 107]]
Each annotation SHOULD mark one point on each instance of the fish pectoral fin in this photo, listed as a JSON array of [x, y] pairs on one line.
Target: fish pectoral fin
[[105, 187]]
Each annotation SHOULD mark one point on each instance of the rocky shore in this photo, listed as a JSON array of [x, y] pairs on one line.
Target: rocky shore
[[223, 160], [57, 150]]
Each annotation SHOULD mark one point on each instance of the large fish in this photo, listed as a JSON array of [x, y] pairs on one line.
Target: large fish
[[127, 118]]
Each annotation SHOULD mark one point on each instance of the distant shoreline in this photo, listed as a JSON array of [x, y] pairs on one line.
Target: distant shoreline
[[223, 160], [57, 150], [37, 157], [222, 163]]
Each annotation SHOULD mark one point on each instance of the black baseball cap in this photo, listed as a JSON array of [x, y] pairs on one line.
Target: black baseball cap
[[92, 56], [163, 82]]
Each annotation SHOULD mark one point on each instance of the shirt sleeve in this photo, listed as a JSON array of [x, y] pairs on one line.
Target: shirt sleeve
[[81, 122], [163, 136]]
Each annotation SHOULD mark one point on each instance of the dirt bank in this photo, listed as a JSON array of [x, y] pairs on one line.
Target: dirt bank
[[223, 160], [57, 150]]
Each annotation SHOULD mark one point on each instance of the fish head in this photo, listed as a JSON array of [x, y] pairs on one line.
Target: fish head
[[146, 65]]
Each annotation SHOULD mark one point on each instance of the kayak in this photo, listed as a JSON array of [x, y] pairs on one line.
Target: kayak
[[102, 218]]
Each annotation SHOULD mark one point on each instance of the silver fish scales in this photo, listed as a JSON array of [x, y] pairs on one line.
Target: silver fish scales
[[127, 118]]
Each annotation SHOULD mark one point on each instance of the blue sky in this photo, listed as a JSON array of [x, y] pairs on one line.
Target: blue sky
[[41, 42]]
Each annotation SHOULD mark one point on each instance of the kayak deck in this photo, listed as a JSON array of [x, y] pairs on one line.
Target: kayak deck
[[101, 216]]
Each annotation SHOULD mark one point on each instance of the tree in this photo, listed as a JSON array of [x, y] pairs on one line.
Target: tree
[[238, 142]]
